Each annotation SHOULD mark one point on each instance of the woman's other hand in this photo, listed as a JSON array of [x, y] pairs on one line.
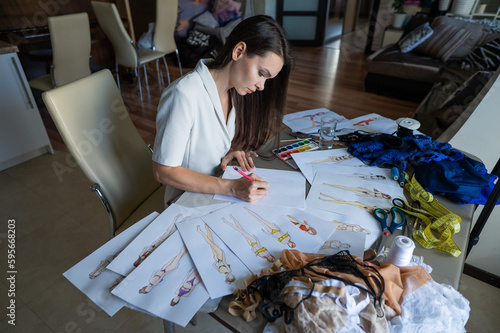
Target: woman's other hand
[[244, 159], [250, 190]]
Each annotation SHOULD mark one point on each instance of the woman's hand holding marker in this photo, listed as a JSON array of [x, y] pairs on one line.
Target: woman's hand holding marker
[[249, 190], [244, 159]]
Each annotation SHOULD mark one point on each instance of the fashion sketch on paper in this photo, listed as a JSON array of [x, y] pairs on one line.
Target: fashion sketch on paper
[[187, 286], [153, 246], [333, 159], [362, 191], [251, 240], [357, 204], [220, 263], [351, 227], [335, 244], [159, 274], [102, 266], [273, 229], [304, 226]]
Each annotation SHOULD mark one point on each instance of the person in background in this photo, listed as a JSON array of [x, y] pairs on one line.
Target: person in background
[[224, 110]]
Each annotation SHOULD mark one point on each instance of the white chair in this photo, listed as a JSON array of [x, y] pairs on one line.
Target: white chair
[[70, 40], [163, 37], [126, 52], [95, 125]]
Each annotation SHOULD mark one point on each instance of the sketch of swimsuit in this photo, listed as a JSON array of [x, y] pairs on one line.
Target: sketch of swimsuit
[[370, 176], [358, 204], [311, 118], [153, 246], [335, 244], [362, 191], [273, 229], [187, 286], [334, 159], [366, 122], [220, 258], [350, 227], [251, 240], [102, 266], [159, 274], [304, 226]]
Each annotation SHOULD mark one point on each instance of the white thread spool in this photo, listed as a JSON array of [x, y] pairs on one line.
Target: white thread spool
[[401, 251]]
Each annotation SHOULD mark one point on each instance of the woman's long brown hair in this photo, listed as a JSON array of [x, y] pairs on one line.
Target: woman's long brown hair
[[259, 115]]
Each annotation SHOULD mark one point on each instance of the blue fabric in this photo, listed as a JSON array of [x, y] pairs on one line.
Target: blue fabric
[[463, 181], [439, 168]]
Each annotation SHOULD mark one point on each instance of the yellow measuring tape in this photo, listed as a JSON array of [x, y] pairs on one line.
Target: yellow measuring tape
[[437, 219]]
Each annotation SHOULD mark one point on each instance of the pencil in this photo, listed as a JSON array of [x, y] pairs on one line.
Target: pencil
[[242, 173]]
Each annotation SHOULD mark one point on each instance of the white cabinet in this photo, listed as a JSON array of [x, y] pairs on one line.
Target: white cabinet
[[22, 133]]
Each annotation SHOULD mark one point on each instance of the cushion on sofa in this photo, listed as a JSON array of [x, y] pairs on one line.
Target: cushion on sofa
[[390, 61], [486, 57], [445, 40], [207, 20], [415, 37], [478, 33]]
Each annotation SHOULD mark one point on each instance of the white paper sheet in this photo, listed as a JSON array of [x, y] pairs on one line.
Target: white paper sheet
[[155, 285], [91, 276], [369, 123], [335, 193], [308, 121], [258, 234], [326, 159], [286, 188], [221, 270], [156, 233]]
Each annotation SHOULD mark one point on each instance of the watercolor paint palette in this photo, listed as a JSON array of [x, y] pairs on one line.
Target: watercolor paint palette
[[285, 152]]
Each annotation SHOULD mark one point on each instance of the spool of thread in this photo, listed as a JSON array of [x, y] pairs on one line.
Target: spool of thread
[[406, 126], [401, 251]]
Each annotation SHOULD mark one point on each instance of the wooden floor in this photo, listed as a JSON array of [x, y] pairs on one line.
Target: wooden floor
[[331, 76]]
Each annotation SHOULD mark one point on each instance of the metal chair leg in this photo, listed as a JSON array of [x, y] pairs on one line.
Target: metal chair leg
[[166, 68], [168, 326], [158, 71], [178, 60], [137, 73], [117, 77]]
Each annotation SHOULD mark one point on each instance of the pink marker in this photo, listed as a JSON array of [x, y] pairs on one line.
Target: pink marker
[[242, 173]]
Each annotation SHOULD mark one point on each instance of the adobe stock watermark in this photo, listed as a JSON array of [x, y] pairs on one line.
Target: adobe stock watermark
[[11, 271]]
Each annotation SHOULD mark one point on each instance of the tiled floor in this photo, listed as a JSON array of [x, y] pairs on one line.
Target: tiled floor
[[59, 222]]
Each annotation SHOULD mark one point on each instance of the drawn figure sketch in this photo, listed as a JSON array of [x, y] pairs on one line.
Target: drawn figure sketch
[[273, 229], [333, 159], [220, 263], [153, 246], [370, 176], [102, 266], [351, 227], [357, 204], [311, 118], [251, 240], [335, 244], [365, 122], [187, 286], [159, 274], [362, 191], [304, 226]]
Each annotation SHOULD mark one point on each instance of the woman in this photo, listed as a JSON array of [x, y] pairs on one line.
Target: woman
[[220, 112]]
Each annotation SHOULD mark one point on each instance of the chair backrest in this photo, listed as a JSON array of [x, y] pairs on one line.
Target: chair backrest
[[111, 24], [70, 39], [95, 125], [166, 21]]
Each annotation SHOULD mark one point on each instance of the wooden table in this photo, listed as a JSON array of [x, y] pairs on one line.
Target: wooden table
[[445, 268]]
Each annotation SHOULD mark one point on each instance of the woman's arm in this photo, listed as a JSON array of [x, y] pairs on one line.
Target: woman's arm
[[189, 180]]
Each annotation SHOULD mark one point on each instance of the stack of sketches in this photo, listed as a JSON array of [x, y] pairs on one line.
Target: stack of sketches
[[170, 264]]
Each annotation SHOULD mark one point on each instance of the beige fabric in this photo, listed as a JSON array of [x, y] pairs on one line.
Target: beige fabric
[[96, 127]]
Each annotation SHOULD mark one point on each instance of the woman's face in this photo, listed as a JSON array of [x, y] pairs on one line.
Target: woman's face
[[250, 73]]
